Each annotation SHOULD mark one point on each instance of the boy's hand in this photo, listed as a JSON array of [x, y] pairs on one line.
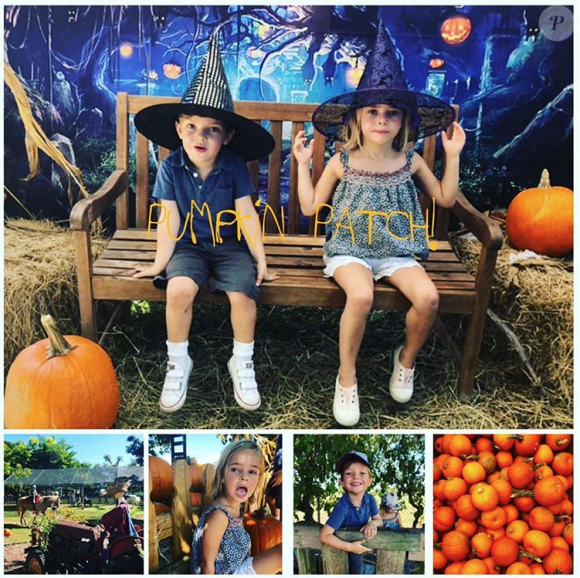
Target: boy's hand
[[454, 141], [369, 530], [302, 152], [263, 274], [150, 271], [358, 548]]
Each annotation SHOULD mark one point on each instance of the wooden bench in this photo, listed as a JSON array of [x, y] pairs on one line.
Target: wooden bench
[[296, 255]]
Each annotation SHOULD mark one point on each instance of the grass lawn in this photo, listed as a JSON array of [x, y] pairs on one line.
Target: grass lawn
[[21, 534]]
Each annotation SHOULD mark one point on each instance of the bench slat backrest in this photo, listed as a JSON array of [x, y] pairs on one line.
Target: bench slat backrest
[[279, 117]]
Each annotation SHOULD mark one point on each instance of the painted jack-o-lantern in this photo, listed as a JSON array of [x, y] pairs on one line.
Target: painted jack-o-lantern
[[435, 63], [456, 29], [171, 70]]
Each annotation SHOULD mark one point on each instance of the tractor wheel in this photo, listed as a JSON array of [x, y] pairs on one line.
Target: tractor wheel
[[130, 563], [35, 562]]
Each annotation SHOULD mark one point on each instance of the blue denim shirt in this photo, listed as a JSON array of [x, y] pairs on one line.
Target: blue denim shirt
[[178, 180], [345, 513]]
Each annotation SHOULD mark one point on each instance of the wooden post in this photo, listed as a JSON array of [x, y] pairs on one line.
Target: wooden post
[[334, 561], [84, 258], [181, 510], [390, 562], [153, 541], [306, 561]]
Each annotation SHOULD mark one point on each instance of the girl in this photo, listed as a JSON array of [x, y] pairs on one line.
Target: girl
[[374, 176], [220, 544], [389, 511]]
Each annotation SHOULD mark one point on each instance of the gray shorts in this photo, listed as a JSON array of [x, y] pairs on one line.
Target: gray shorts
[[229, 267]]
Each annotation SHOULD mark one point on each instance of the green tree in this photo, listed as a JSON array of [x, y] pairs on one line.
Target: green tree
[[397, 463], [41, 453], [136, 450], [159, 444]]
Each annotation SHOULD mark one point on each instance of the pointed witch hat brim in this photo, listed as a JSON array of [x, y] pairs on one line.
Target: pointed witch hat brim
[[208, 95], [383, 82]]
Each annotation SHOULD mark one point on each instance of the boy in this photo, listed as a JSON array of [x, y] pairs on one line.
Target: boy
[[353, 509], [203, 180]]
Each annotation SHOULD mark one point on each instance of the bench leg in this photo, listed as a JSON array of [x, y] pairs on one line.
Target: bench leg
[[84, 262], [483, 282]]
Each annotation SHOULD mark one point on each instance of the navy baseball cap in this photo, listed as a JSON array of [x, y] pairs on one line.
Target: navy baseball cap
[[352, 456]]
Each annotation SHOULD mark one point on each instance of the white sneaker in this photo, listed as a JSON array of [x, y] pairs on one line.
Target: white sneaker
[[345, 407], [401, 385], [245, 386], [175, 386]]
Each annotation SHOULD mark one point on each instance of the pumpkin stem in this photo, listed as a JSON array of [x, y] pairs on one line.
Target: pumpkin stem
[[58, 344], [545, 180], [531, 556], [538, 466]]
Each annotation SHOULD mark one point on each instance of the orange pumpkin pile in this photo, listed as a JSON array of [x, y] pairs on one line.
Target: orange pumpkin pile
[[502, 504]]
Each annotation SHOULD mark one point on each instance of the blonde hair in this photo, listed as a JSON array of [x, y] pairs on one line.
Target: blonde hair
[[351, 132], [243, 445]]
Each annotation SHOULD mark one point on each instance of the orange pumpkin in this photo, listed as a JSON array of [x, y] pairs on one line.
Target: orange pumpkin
[[61, 383], [505, 551], [265, 532], [162, 478], [455, 546], [456, 29], [196, 477], [542, 219], [196, 498], [161, 508], [558, 561]]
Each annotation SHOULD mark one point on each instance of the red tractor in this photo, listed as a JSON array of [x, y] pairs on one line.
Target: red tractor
[[77, 548]]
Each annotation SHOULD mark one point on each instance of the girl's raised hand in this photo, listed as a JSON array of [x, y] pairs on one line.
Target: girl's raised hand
[[302, 152], [453, 144]]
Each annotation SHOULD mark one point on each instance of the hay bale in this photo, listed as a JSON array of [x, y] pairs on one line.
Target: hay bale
[[39, 278], [535, 296]]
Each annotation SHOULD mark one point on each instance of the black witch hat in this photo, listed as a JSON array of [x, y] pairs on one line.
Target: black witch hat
[[208, 95]]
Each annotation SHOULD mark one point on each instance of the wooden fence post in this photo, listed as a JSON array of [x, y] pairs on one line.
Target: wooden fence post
[[334, 561], [153, 542], [181, 510]]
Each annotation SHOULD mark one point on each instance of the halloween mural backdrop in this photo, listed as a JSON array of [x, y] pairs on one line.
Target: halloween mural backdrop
[[513, 85]]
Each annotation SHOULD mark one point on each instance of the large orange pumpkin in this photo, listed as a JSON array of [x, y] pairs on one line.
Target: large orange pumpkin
[[265, 532], [542, 219], [61, 383], [162, 479], [196, 477], [456, 29]]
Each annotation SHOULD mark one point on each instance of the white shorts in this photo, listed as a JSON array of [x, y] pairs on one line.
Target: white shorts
[[246, 567], [378, 267]]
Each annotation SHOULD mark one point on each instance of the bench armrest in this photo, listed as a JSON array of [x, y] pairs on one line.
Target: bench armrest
[[85, 212], [485, 229]]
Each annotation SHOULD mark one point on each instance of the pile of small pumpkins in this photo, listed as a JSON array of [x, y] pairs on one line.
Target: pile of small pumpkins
[[502, 504]]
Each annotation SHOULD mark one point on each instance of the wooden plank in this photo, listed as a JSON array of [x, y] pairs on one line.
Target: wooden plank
[[181, 510], [254, 170], [386, 539], [254, 110], [162, 154], [418, 556], [317, 168], [293, 201], [152, 530], [123, 156], [274, 173], [142, 180]]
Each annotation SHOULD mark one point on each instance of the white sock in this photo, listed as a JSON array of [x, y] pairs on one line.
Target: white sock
[[177, 352], [243, 351]]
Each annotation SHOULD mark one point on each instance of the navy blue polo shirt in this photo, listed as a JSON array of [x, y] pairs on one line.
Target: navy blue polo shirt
[[345, 513], [178, 180]]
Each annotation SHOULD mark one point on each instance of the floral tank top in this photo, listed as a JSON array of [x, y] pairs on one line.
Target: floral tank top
[[377, 215], [234, 549]]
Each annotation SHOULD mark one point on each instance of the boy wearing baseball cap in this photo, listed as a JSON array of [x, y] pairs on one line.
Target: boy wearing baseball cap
[[355, 508]]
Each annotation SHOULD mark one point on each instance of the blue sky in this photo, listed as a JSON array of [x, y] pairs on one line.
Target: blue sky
[[87, 447], [205, 448]]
